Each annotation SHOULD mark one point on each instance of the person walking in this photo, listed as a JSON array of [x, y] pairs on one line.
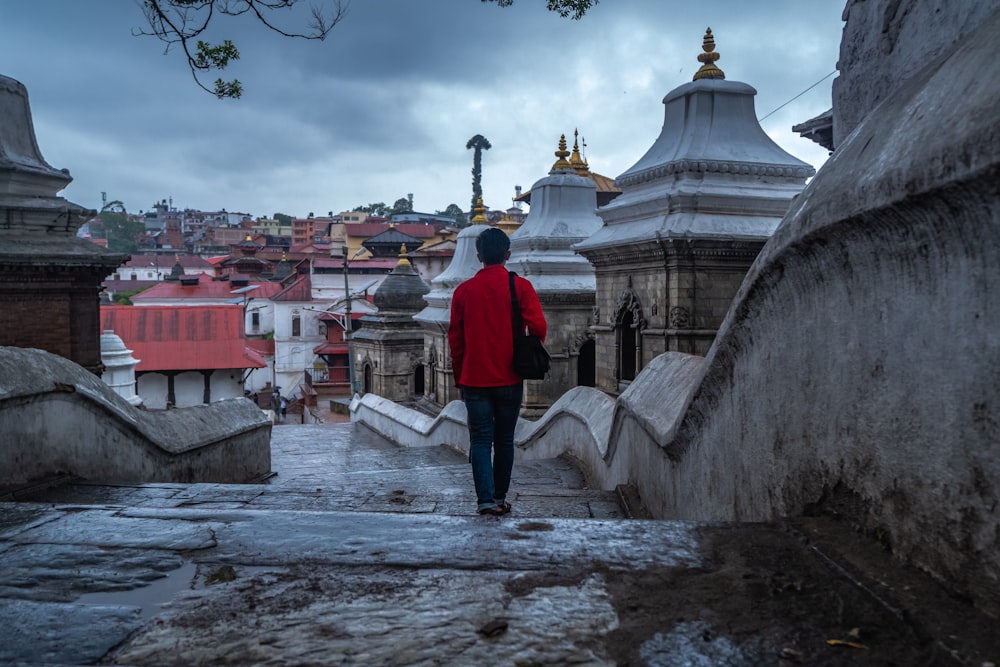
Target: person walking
[[481, 339]]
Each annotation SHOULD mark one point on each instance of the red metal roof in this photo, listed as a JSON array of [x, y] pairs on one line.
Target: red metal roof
[[182, 338], [368, 229], [299, 290], [207, 288], [165, 261], [261, 346], [331, 348]]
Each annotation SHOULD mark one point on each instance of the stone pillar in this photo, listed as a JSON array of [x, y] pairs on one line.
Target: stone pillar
[[119, 367], [50, 280]]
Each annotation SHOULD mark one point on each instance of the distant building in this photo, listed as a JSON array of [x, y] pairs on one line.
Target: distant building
[[187, 356]]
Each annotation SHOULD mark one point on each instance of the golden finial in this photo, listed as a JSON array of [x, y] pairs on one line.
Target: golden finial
[[562, 154], [576, 161], [403, 257], [708, 69], [480, 217], [284, 257]]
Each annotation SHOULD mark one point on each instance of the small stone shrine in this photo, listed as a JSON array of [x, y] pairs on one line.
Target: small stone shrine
[[50, 280], [562, 214], [694, 212], [390, 344], [439, 386]]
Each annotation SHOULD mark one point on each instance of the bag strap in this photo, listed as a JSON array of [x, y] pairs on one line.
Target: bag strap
[[517, 325]]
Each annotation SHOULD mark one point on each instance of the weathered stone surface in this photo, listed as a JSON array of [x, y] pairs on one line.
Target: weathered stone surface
[[176, 574], [56, 418], [886, 42]]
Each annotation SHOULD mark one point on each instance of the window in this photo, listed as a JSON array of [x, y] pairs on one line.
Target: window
[[255, 321], [296, 325]]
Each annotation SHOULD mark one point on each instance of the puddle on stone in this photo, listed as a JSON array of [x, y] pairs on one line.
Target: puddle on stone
[[535, 526], [148, 598]]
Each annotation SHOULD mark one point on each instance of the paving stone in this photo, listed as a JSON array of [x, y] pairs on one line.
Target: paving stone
[[361, 552]]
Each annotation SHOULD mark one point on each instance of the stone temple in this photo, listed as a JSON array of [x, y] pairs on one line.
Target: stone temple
[[562, 214], [694, 212]]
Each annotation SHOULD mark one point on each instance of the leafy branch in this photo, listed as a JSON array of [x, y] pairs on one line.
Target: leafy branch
[[575, 9], [180, 23]]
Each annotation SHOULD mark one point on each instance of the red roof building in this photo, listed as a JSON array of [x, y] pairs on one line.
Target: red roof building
[[203, 291], [171, 338]]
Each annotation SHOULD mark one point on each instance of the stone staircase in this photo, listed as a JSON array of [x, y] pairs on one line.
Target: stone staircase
[[360, 552]]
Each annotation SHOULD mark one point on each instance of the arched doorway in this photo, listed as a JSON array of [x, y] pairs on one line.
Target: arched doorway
[[366, 387], [629, 322], [626, 348], [418, 380], [586, 375]]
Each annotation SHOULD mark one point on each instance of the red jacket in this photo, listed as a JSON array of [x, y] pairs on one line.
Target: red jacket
[[481, 334]]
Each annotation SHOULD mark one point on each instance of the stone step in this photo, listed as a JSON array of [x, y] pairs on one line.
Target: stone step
[[357, 552], [340, 467]]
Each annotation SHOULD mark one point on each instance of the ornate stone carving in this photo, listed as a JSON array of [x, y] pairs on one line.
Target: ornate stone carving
[[629, 302], [680, 317]]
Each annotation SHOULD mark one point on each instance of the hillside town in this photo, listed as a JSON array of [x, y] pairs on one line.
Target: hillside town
[[292, 284]]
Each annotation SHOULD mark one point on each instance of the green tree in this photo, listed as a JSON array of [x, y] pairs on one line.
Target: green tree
[[283, 219], [180, 23], [572, 8], [378, 208], [478, 143], [121, 229], [401, 205], [453, 211]]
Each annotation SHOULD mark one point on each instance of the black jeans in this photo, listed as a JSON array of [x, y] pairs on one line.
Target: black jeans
[[492, 416]]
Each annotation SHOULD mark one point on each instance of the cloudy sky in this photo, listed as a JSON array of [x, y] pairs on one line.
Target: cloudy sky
[[385, 106]]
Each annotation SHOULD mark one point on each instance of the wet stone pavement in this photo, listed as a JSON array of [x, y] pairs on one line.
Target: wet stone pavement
[[359, 552]]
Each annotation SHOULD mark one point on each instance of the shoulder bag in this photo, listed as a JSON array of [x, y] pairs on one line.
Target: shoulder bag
[[531, 359]]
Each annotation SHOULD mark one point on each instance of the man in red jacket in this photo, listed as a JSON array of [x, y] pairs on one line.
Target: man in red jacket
[[482, 352]]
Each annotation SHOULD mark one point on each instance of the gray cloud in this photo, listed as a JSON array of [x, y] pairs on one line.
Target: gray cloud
[[384, 107]]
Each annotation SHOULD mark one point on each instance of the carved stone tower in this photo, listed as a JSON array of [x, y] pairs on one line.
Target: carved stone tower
[[562, 214], [50, 280], [694, 212], [390, 344], [439, 387]]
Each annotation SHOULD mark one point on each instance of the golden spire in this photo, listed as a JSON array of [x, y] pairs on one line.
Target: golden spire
[[480, 217], [562, 154], [708, 69], [576, 161], [284, 257], [403, 257]]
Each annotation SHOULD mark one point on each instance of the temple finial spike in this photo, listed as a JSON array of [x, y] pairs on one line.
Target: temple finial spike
[[708, 69], [480, 217], [562, 154], [576, 161]]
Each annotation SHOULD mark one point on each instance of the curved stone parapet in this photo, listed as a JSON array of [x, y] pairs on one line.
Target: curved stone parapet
[[857, 373], [57, 418]]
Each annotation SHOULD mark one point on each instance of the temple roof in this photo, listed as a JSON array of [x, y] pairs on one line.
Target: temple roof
[[712, 171]]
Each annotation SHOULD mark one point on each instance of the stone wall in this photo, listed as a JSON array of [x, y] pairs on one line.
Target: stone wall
[[887, 41], [56, 418]]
